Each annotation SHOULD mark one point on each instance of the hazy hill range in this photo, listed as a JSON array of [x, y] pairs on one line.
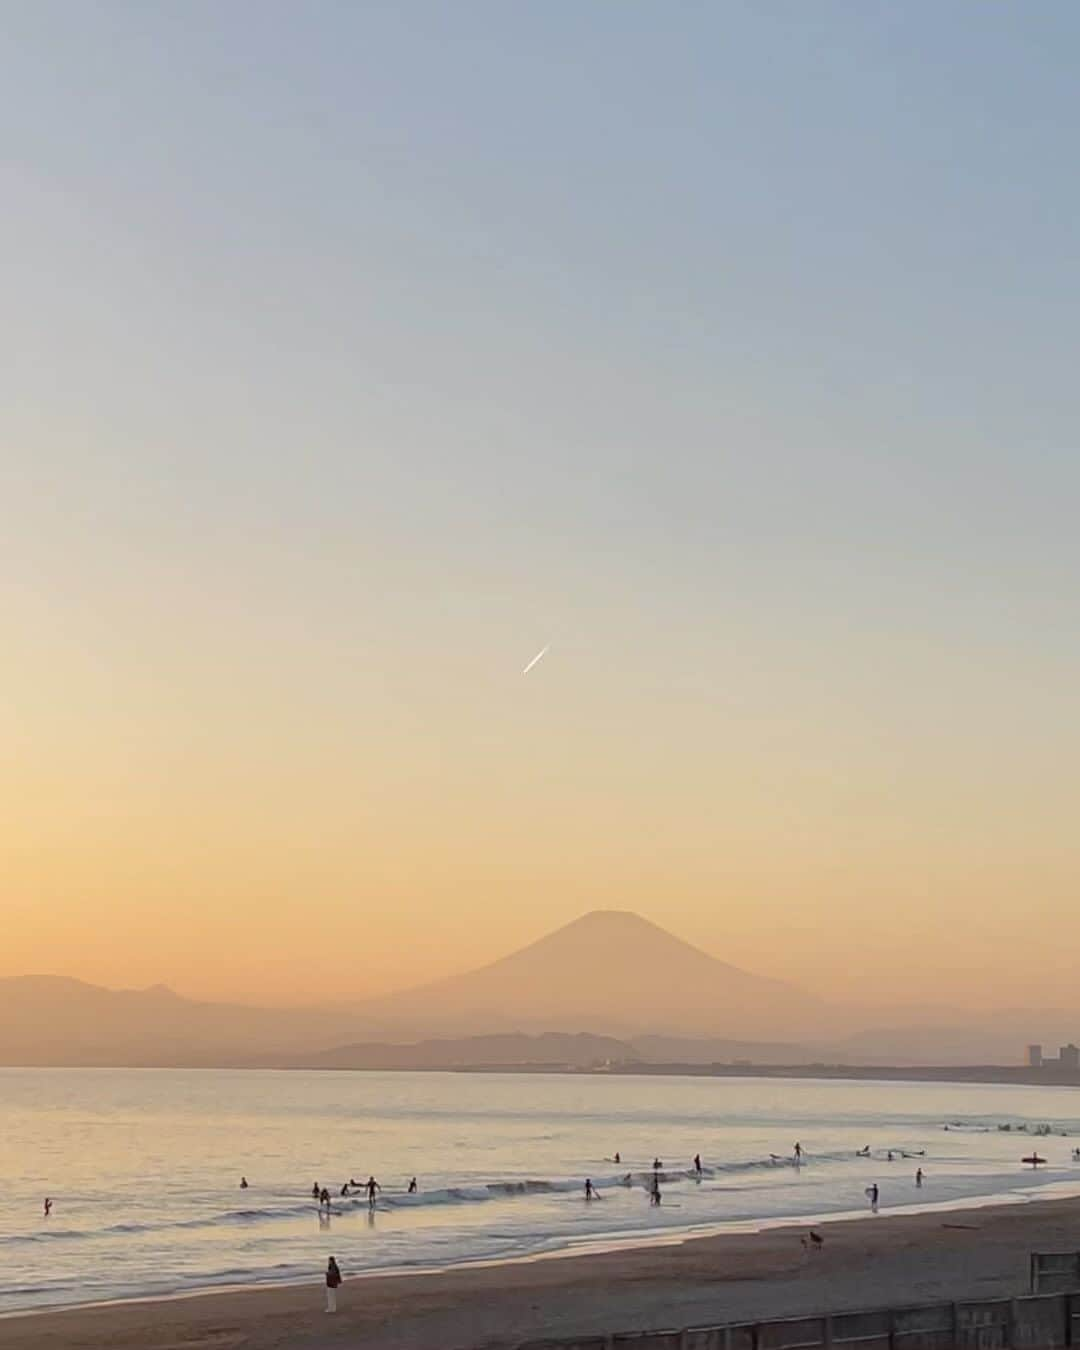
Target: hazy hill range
[[551, 1049], [48, 1019], [608, 987], [608, 974]]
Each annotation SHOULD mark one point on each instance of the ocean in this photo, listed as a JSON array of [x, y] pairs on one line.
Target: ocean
[[144, 1166]]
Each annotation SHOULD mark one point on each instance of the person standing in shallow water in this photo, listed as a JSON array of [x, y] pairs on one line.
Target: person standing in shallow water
[[48, 1206], [333, 1280]]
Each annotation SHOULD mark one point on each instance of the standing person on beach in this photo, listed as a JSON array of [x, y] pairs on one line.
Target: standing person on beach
[[873, 1193], [333, 1280], [918, 1177]]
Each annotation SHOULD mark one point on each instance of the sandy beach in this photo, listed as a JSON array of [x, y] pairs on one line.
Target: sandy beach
[[866, 1262]]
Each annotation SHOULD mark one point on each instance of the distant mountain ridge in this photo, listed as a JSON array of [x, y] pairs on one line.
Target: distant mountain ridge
[[551, 1049], [52, 1019], [609, 986]]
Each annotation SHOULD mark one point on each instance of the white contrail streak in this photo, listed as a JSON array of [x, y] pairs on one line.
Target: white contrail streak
[[538, 657]]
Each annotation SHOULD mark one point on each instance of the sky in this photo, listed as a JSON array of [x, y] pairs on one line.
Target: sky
[[351, 354]]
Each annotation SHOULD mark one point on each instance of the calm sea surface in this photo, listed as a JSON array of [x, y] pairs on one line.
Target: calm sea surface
[[144, 1166]]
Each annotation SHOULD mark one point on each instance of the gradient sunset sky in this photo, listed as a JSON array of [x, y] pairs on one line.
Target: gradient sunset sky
[[352, 353]]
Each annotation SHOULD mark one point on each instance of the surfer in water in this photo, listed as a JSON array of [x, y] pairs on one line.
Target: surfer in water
[[918, 1177], [798, 1153], [48, 1206], [243, 1183], [654, 1194], [863, 1152], [412, 1186], [372, 1187], [697, 1164], [590, 1190], [345, 1189], [315, 1190], [873, 1194], [618, 1157], [324, 1199]]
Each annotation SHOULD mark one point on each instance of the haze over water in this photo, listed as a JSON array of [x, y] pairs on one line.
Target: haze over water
[[144, 1166]]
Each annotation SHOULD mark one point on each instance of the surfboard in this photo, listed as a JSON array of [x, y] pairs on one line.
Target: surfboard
[[1033, 1159]]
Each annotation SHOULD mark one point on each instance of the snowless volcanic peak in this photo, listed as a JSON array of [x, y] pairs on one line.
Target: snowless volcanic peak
[[611, 972]]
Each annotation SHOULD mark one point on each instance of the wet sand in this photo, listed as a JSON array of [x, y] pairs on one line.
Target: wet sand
[[867, 1262]]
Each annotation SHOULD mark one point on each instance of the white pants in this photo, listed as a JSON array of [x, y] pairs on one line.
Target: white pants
[[331, 1299]]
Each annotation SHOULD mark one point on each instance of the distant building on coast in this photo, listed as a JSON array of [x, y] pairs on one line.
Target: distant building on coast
[[1068, 1058]]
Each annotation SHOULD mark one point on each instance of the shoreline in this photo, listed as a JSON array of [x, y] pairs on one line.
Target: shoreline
[[586, 1248], [815, 1071], [673, 1279]]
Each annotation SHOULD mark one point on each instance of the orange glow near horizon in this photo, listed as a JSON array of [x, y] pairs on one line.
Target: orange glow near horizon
[[351, 363], [250, 842]]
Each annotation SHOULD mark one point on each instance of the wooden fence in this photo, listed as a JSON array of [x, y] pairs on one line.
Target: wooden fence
[[1032, 1322]]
